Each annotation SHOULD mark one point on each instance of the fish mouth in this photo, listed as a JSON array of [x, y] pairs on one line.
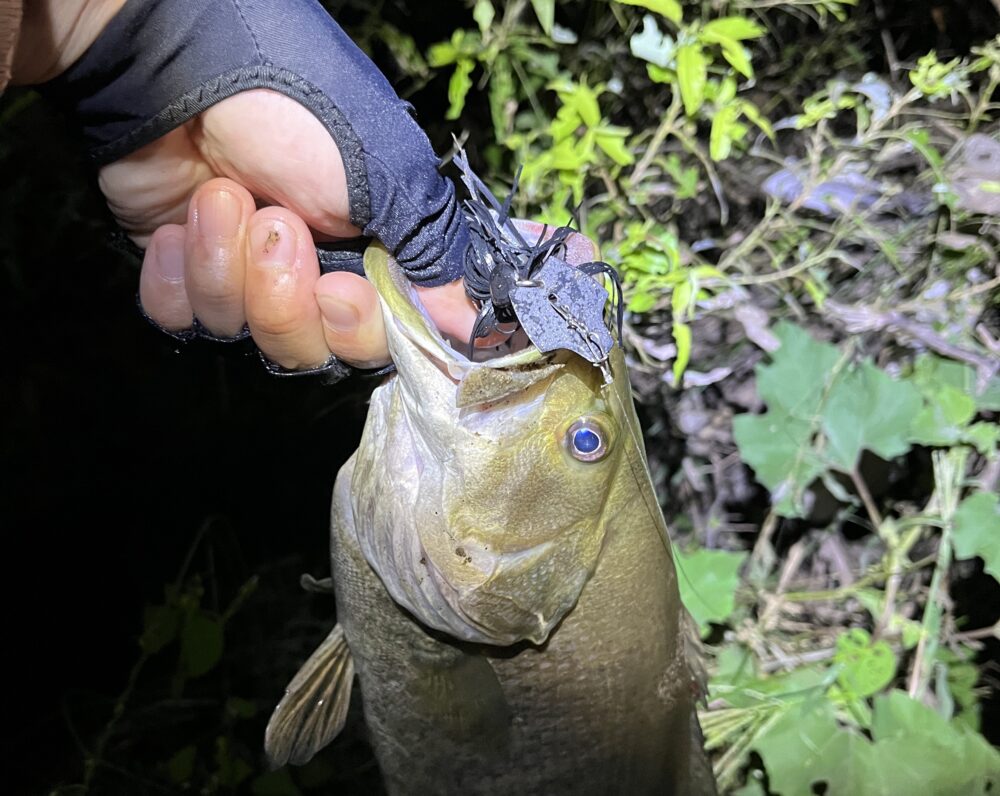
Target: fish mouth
[[404, 304], [489, 377]]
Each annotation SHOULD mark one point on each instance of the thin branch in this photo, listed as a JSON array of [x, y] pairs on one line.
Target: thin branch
[[866, 497], [859, 318]]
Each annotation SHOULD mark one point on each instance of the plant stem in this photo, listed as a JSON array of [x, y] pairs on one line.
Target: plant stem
[[866, 497], [949, 469], [664, 129]]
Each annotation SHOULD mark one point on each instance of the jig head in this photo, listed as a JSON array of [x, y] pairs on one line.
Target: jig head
[[517, 284]]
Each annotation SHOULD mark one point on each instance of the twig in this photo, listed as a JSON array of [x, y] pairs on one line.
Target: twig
[[713, 177], [800, 659], [763, 542], [866, 497], [662, 131], [993, 631], [891, 58], [796, 555], [858, 318], [984, 287]]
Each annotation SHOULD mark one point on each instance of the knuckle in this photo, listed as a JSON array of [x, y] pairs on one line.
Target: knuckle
[[275, 318]]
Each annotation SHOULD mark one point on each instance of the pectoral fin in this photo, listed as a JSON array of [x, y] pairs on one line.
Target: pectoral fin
[[314, 708]]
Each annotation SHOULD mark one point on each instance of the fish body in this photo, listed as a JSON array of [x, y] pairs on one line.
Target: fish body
[[504, 583]]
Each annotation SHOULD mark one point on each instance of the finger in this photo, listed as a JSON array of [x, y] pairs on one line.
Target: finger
[[215, 254], [161, 282], [281, 309], [455, 314], [352, 319]]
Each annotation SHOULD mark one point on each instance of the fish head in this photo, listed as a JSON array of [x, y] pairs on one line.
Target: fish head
[[527, 495], [499, 471]]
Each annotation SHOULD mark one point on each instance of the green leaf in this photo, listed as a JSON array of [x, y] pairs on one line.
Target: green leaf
[[681, 300], [240, 708], [682, 338], [754, 787], [931, 373], [707, 580], [721, 138], [458, 87], [641, 301], [778, 444], [692, 72], [939, 756], [442, 54], [483, 13], [738, 57], [201, 643], [180, 767], [565, 124], [754, 115], [404, 50], [976, 530], [821, 415], [159, 627], [502, 95], [983, 436], [806, 746], [545, 10], [275, 783], [685, 178], [915, 751], [777, 447], [612, 141], [231, 769], [738, 28], [583, 100], [942, 420], [866, 668], [671, 9], [868, 410], [658, 75], [462, 44]]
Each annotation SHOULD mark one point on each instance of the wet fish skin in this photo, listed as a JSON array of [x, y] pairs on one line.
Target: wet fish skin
[[512, 613]]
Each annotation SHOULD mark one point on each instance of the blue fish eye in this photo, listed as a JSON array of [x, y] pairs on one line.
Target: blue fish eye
[[587, 440]]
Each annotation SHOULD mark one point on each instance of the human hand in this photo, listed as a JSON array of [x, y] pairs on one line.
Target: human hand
[[211, 254], [190, 192]]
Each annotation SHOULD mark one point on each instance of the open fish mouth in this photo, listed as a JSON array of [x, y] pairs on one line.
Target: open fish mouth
[[466, 503]]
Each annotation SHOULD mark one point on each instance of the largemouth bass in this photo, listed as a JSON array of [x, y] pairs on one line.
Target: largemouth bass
[[504, 582]]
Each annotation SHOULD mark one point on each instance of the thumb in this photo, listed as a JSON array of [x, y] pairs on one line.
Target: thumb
[[352, 319]]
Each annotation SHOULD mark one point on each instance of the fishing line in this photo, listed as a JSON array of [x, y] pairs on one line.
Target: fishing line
[[655, 512]]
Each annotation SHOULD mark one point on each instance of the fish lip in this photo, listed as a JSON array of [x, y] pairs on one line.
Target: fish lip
[[422, 332]]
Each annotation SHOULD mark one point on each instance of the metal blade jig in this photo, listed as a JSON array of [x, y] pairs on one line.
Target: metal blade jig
[[517, 284]]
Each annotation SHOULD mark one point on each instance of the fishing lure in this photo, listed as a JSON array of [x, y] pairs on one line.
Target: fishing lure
[[517, 284]]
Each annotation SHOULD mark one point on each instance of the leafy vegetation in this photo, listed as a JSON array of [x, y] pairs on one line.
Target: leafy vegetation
[[833, 226], [802, 199]]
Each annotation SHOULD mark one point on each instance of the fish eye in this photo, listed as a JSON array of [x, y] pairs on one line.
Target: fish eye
[[587, 440]]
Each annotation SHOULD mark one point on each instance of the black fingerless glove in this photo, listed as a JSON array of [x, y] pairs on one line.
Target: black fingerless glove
[[160, 62]]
